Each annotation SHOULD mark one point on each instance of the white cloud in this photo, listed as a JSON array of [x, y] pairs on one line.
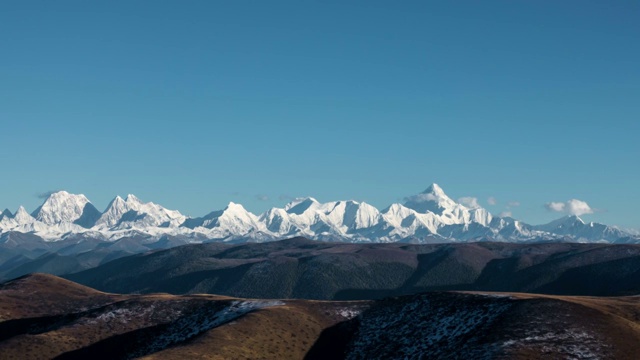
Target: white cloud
[[470, 202], [421, 198], [262, 197], [571, 207], [578, 207], [492, 201], [46, 194], [632, 231], [555, 206], [507, 212]]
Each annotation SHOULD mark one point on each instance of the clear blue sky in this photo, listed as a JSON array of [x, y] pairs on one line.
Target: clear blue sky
[[192, 104]]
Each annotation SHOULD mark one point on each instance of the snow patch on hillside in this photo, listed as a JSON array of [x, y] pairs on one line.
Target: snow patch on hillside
[[204, 319], [424, 327]]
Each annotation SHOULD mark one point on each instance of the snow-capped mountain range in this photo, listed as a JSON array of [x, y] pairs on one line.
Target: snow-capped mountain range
[[430, 216]]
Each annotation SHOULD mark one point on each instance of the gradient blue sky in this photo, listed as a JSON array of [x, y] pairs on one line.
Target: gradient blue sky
[[192, 104]]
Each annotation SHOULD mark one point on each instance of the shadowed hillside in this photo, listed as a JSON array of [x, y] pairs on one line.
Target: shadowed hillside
[[21, 253], [300, 268], [46, 317], [43, 317]]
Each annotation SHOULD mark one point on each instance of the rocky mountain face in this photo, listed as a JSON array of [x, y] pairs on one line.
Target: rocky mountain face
[[430, 216]]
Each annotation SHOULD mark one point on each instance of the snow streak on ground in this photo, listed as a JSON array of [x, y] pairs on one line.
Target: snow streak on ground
[[474, 326], [563, 336], [426, 327], [348, 313], [201, 320], [158, 325]]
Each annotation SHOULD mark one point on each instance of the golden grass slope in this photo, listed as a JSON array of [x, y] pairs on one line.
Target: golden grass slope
[[44, 317]]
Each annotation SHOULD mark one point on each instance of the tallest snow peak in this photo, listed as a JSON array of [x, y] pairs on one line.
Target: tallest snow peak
[[433, 199], [434, 189]]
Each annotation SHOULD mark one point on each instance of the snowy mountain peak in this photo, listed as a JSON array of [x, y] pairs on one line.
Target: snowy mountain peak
[[433, 199], [132, 199], [301, 205], [114, 212], [132, 213], [22, 216], [117, 199], [61, 200], [565, 222], [299, 200], [235, 208], [117, 203], [576, 219], [6, 214], [427, 216], [575, 227], [233, 220], [398, 210], [434, 189], [360, 215], [62, 207]]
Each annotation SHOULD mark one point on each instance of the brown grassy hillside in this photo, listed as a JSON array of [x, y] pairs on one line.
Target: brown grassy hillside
[[46, 317]]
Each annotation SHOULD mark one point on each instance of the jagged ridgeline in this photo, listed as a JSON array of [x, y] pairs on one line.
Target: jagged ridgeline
[[428, 217]]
